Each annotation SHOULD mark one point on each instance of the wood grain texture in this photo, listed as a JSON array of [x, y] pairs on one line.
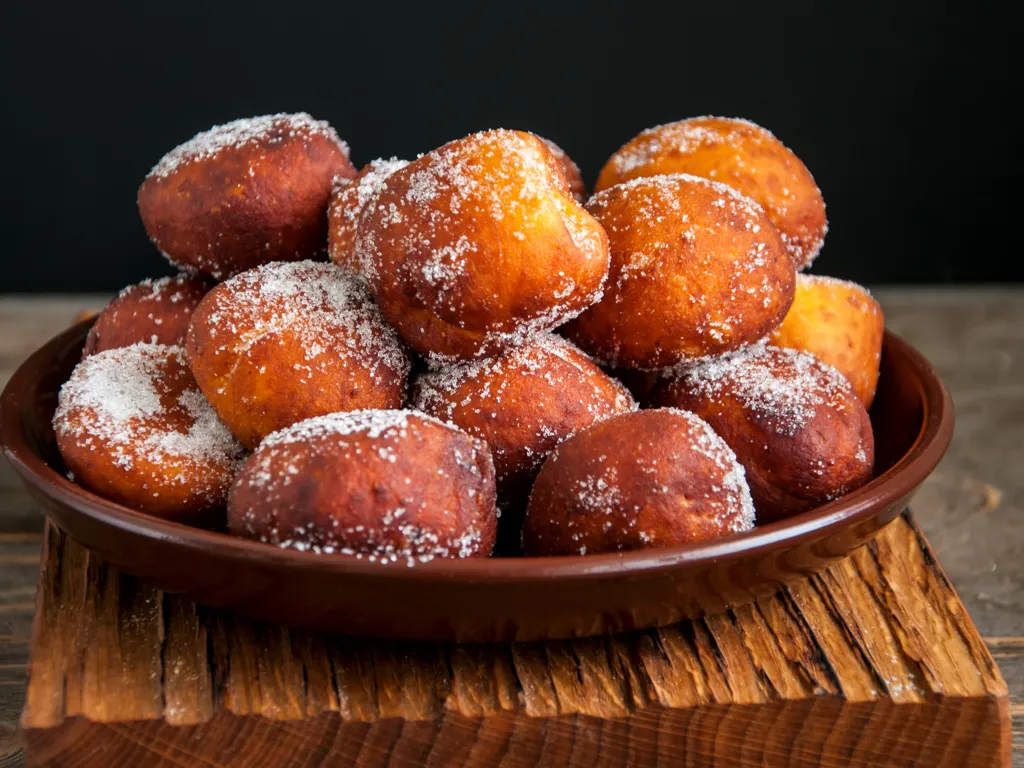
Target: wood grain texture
[[971, 508], [873, 662]]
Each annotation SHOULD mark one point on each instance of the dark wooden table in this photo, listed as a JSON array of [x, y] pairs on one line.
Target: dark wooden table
[[971, 508]]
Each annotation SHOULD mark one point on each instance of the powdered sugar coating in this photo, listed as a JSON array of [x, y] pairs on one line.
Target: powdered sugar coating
[[598, 492], [743, 155], [370, 181], [119, 387], [349, 200], [696, 269], [239, 133], [152, 311], [795, 423], [243, 194], [318, 305], [682, 138], [646, 479], [522, 402], [292, 340], [138, 409], [785, 402], [372, 423], [394, 486], [709, 444], [835, 282], [748, 211], [482, 237], [159, 289], [841, 324]]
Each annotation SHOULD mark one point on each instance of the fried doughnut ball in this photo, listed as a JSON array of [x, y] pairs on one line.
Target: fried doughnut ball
[[391, 486], [741, 154], [569, 169], [349, 199], [697, 269], [522, 403], [289, 341], [244, 194], [478, 245], [640, 480], [795, 424], [839, 323], [153, 311], [133, 426]]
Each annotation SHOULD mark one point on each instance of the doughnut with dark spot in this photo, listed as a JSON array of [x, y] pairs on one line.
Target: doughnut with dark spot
[[388, 486]]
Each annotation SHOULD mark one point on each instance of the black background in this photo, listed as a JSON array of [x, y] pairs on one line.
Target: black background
[[901, 113]]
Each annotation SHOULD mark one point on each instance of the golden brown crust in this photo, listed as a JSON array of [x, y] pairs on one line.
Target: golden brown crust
[[153, 311], [795, 424], [390, 486], [696, 269], [839, 323], [289, 341], [522, 403], [349, 199], [639, 480], [244, 194], [569, 169], [740, 154], [477, 245], [132, 425]]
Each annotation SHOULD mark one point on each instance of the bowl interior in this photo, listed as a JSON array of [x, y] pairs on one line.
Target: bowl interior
[[911, 416]]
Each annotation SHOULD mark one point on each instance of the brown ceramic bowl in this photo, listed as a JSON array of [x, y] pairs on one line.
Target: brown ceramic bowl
[[490, 599]]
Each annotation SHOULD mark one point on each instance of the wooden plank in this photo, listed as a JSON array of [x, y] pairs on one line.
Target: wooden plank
[[874, 658], [188, 687]]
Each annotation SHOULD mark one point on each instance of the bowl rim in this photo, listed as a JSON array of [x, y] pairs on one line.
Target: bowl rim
[[898, 481]]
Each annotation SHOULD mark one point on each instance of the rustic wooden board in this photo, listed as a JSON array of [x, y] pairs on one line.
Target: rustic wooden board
[[972, 507], [874, 662]]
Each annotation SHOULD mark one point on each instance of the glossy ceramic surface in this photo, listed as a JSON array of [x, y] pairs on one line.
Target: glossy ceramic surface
[[490, 599]]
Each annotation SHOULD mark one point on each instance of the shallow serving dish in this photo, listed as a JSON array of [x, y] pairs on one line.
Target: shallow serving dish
[[479, 599]]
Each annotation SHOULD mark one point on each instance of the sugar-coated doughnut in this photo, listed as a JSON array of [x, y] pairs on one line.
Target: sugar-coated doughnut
[[132, 425], [478, 245], [639, 480], [245, 193], [795, 423], [839, 323], [153, 311], [569, 169], [388, 486], [293, 340], [349, 199], [696, 269], [744, 156], [522, 403]]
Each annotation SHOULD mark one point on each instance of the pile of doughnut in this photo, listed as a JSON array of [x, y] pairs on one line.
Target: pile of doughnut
[[466, 355]]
